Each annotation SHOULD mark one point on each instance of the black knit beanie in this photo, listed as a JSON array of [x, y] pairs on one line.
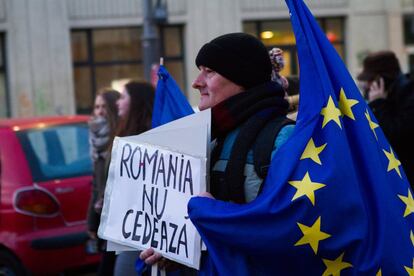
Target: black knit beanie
[[239, 57]]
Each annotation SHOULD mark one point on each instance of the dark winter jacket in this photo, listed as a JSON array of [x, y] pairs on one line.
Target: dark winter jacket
[[236, 123], [395, 115]]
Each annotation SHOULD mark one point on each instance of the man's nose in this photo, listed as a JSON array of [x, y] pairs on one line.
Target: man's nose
[[198, 82]]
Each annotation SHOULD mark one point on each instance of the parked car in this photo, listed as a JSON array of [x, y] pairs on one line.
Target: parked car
[[45, 186]]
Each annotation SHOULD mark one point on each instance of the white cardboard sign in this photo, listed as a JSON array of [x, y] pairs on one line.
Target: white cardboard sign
[[148, 189]]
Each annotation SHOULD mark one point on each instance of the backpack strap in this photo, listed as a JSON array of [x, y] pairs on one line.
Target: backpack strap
[[234, 174], [258, 133], [263, 147]]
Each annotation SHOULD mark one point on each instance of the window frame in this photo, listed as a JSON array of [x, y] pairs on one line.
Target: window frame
[[3, 69], [92, 65], [35, 163], [177, 58], [292, 47], [408, 38]]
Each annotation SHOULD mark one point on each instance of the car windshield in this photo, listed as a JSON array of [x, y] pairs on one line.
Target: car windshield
[[57, 152]]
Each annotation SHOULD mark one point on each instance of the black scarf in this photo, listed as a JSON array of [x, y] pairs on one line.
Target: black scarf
[[252, 109], [229, 114]]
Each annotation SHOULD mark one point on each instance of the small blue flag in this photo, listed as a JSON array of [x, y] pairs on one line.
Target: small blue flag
[[336, 200], [170, 103]]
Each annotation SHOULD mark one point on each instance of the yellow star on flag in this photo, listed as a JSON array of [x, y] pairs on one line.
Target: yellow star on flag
[[394, 163], [379, 273], [331, 113], [312, 235], [410, 270], [345, 105], [372, 125], [409, 202], [306, 187], [412, 237], [334, 267], [312, 151]]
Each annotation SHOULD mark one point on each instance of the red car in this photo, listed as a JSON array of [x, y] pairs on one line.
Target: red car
[[45, 186]]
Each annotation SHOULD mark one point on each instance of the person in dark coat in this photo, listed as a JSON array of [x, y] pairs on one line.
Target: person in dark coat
[[390, 95], [236, 82], [135, 112]]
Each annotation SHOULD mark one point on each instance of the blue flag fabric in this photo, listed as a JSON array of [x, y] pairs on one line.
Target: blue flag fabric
[[170, 103], [336, 200]]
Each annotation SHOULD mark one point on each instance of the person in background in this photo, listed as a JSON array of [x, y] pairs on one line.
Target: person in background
[[278, 63], [390, 95], [135, 112], [235, 81], [102, 127], [289, 84]]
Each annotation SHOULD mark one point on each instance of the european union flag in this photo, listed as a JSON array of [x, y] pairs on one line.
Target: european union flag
[[336, 200], [170, 103]]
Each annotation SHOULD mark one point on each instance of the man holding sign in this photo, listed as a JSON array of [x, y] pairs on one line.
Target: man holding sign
[[235, 82]]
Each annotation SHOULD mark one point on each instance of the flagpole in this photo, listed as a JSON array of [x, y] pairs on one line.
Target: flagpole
[[154, 270]]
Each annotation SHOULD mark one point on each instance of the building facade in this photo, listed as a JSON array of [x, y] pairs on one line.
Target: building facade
[[56, 54]]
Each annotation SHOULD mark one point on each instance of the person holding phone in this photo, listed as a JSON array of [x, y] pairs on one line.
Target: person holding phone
[[390, 94]]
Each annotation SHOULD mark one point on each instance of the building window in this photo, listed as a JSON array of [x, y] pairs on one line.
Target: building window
[[409, 29], [409, 40], [4, 99], [279, 33], [103, 56]]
